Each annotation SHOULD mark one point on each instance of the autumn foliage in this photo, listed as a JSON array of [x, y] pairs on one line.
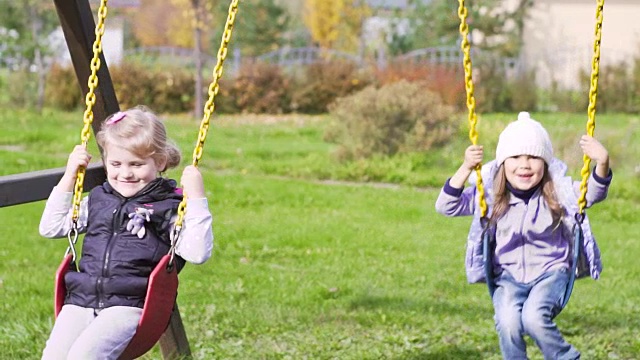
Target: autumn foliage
[[336, 24]]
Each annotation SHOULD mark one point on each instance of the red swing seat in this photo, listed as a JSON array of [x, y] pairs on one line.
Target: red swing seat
[[158, 306]]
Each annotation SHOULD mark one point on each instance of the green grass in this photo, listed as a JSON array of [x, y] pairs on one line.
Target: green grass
[[307, 270]]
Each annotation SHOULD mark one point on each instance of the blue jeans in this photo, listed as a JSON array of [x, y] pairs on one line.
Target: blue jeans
[[529, 309]]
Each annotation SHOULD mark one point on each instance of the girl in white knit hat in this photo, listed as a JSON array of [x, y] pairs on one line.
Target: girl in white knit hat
[[531, 205]]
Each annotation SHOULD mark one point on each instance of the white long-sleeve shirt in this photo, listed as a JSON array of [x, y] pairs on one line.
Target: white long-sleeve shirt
[[194, 244]]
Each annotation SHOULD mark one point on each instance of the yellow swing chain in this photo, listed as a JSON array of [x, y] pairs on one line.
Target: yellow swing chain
[[471, 101], [591, 111], [90, 101], [209, 106]]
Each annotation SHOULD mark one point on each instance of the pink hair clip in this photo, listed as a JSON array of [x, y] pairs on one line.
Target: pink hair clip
[[116, 117]]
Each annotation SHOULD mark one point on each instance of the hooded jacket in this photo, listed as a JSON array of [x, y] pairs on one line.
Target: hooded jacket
[[467, 204]]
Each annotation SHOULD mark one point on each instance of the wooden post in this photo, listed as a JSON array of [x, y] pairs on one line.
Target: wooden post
[[36, 185], [78, 27], [174, 343]]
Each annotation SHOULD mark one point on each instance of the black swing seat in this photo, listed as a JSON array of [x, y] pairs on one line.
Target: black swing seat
[[158, 306]]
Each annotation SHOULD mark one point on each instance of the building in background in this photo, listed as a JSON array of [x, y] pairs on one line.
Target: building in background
[[559, 37]]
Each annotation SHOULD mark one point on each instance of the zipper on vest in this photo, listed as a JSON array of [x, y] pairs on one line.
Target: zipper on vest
[[114, 225], [99, 292], [107, 253]]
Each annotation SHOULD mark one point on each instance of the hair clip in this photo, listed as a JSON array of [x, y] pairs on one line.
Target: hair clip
[[116, 117]]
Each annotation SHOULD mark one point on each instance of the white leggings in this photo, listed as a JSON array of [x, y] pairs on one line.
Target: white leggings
[[86, 333]]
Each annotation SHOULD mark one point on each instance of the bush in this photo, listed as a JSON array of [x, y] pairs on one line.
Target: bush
[[447, 81], [399, 117], [324, 82], [615, 88], [635, 78], [173, 91], [163, 90], [491, 87], [258, 88], [522, 93], [21, 89], [564, 100], [62, 90], [133, 85]]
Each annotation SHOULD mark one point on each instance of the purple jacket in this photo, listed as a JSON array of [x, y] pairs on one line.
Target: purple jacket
[[527, 242]]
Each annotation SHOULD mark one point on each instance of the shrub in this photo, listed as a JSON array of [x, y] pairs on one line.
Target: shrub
[[615, 88], [566, 100], [635, 78], [447, 81], [522, 92], [21, 89], [398, 117], [324, 82], [618, 90], [162, 89], [491, 87], [173, 91], [409, 71], [62, 90], [133, 85], [257, 88]]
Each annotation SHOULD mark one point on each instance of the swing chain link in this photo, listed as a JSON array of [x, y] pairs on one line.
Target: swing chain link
[[591, 111], [90, 101], [209, 108], [471, 101]]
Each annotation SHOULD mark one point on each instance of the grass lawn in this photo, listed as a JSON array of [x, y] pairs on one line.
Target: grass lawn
[[306, 268]]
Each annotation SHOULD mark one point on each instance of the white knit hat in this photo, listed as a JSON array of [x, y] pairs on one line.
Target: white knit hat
[[524, 136]]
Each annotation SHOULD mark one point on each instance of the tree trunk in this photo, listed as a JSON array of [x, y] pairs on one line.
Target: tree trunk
[[42, 79], [36, 26], [197, 55]]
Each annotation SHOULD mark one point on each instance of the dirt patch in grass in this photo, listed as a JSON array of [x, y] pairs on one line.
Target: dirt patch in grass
[[12, 148], [251, 119]]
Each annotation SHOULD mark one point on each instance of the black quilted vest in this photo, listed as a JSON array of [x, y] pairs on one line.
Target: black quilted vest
[[115, 264]]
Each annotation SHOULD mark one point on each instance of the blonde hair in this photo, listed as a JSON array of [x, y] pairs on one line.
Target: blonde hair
[[141, 132], [501, 195]]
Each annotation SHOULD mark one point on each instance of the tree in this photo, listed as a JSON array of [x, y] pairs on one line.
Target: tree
[[494, 27], [336, 24], [151, 26], [322, 17], [499, 28], [297, 33], [354, 14], [26, 27], [194, 24], [198, 14], [433, 24], [261, 27]]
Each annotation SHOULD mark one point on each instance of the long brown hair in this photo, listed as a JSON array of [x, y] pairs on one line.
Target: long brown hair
[[501, 195]]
